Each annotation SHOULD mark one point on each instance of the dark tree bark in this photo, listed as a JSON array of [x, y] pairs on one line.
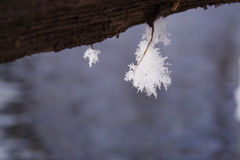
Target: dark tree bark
[[35, 26]]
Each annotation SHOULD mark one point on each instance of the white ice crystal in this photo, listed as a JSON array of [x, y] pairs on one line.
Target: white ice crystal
[[151, 72], [92, 55]]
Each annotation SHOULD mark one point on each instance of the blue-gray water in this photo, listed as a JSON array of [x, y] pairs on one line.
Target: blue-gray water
[[81, 113]]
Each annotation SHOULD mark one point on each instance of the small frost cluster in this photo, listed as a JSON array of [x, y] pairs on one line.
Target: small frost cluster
[[150, 71], [92, 55]]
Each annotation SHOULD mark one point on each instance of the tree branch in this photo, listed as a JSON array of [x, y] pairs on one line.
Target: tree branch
[[35, 26]]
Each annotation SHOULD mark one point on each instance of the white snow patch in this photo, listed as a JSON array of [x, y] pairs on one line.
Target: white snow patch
[[8, 92], [237, 98], [152, 71]]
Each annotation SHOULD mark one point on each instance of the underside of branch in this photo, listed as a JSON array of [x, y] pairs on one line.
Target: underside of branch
[[28, 27]]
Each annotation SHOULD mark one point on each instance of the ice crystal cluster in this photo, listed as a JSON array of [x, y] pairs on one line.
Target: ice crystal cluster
[[151, 72], [92, 55]]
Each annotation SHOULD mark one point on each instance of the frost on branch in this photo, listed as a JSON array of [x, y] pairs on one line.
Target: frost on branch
[[92, 55], [151, 72]]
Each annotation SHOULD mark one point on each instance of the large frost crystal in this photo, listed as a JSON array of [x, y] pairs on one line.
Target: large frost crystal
[[92, 55], [150, 71]]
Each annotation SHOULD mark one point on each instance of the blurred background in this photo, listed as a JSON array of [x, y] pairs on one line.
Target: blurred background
[[54, 107]]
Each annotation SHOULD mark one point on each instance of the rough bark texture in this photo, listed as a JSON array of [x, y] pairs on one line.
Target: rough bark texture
[[28, 27]]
